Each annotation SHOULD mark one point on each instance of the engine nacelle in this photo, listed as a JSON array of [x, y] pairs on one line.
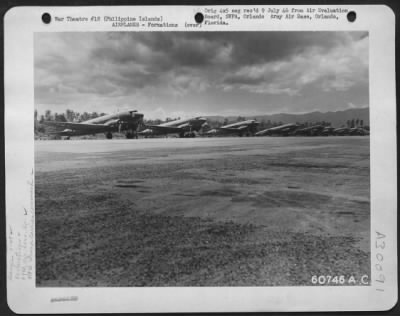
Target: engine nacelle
[[146, 132]]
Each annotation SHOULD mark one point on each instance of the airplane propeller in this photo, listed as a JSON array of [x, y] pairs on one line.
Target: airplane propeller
[[141, 125], [119, 122]]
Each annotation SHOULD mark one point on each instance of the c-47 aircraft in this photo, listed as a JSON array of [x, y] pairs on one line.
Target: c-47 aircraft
[[315, 130], [248, 128], [281, 130], [328, 131], [128, 121], [342, 131], [358, 131], [184, 127]]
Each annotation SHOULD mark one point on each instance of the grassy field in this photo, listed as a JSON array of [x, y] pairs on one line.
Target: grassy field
[[230, 212]]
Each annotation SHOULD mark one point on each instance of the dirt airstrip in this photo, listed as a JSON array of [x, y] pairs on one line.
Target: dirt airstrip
[[201, 212]]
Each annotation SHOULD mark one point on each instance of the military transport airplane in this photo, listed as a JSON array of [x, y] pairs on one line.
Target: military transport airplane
[[128, 121], [248, 128], [315, 130], [358, 131], [342, 131], [183, 127], [281, 130], [328, 131]]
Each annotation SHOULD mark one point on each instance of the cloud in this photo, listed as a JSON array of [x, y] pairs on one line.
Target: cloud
[[338, 68], [190, 70]]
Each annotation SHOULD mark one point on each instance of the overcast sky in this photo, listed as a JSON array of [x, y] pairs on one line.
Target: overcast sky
[[171, 74]]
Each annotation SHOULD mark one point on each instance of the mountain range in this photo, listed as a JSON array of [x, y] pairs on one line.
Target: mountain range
[[336, 118]]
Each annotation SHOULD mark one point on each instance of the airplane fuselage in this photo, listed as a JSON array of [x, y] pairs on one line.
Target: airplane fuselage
[[182, 127], [186, 124], [127, 121], [131, 117], [241, 128]]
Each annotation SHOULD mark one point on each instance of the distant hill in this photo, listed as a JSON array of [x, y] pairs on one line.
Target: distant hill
[[337, 118]]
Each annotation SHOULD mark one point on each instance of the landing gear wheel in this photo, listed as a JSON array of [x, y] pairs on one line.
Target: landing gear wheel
[[129, 135], [109, 135]]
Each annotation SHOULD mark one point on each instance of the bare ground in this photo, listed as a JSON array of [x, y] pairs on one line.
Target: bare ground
[[241, 212]]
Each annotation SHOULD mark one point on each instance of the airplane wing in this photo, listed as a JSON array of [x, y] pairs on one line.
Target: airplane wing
[[235, 129], [91, 128], [263, 132], [165, 129]]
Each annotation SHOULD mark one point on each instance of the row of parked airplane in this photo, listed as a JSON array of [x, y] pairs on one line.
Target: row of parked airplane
[[130, 121], [315, 130]]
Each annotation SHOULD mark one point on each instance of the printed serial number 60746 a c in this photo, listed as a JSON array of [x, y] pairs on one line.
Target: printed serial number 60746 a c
[[339, 279]]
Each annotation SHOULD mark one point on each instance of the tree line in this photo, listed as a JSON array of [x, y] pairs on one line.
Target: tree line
[[355, 123], [68, 116]]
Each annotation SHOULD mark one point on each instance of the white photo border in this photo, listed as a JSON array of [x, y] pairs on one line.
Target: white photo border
[[20, 24]]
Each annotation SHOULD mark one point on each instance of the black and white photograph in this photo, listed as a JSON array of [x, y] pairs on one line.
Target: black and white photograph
[[202, 159]]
